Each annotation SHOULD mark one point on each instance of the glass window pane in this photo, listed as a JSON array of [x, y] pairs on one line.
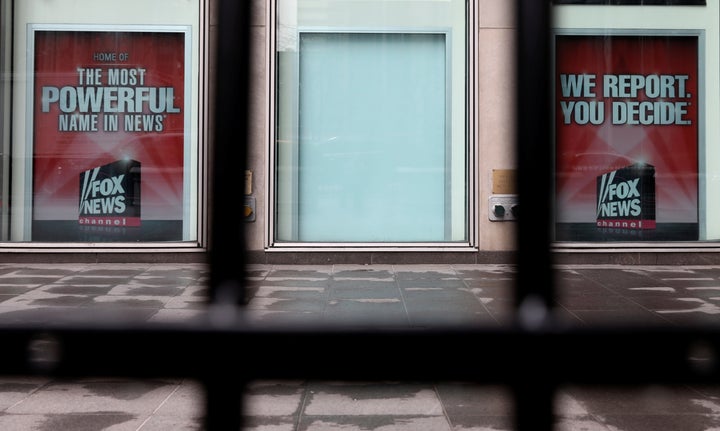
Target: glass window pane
[[104, 145], [372, 137], [627, 137], [370, 126], [635, 136], [108, 135]]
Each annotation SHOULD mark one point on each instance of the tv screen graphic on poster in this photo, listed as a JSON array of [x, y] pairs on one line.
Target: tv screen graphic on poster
[[110, 195], [626, 131], [108, 135]]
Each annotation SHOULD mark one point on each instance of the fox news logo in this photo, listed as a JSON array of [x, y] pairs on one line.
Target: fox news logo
[[110, 195], [626, 198]]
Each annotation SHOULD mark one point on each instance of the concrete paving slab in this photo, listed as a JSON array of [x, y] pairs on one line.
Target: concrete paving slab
[[75, 289], [424, 271], [365, 290], [108, 421], [21, 422], [55, 314], [363, 273], [351, 268], [375, 423], [290, 291], [184, 402], [284, 317], [649, 422], [132, 301], [446, 283], [361, 312], [470, 400], [187, 302], [14, 390], [174, 315], [12, 290], [144, 289], [168, 423], [95, 396], [363, 284], [582, 423], [10, 312], [260, 423], [274, 404], [373, 399], [38, 298]]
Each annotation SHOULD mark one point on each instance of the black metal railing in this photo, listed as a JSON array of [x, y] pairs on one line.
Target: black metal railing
[[534, 356]]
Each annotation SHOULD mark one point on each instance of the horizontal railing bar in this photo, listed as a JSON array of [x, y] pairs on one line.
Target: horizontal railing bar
[[509, 355]]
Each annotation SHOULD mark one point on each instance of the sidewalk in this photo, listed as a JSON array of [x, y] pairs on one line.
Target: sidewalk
[[413, 295]]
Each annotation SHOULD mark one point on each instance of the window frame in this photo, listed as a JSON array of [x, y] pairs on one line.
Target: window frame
[[582, 18], [470, 243], [195, 184]]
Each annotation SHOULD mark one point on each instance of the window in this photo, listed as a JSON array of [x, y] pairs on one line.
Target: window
[[634, 128], [370, 142], [105, 144]]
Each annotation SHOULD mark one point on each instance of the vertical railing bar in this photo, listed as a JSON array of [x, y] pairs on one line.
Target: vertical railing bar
[[223, 403], [534, 405], [224, 395], [534, 154], [228, 154], [534, 290]]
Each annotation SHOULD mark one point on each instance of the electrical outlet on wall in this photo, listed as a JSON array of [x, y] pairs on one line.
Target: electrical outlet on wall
[[503, 207]]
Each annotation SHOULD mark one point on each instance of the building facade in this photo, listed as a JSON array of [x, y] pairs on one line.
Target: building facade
[[381, 131]]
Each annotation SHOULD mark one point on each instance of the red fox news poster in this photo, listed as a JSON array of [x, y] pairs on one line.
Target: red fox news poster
[[626, 130], [108, 135]]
